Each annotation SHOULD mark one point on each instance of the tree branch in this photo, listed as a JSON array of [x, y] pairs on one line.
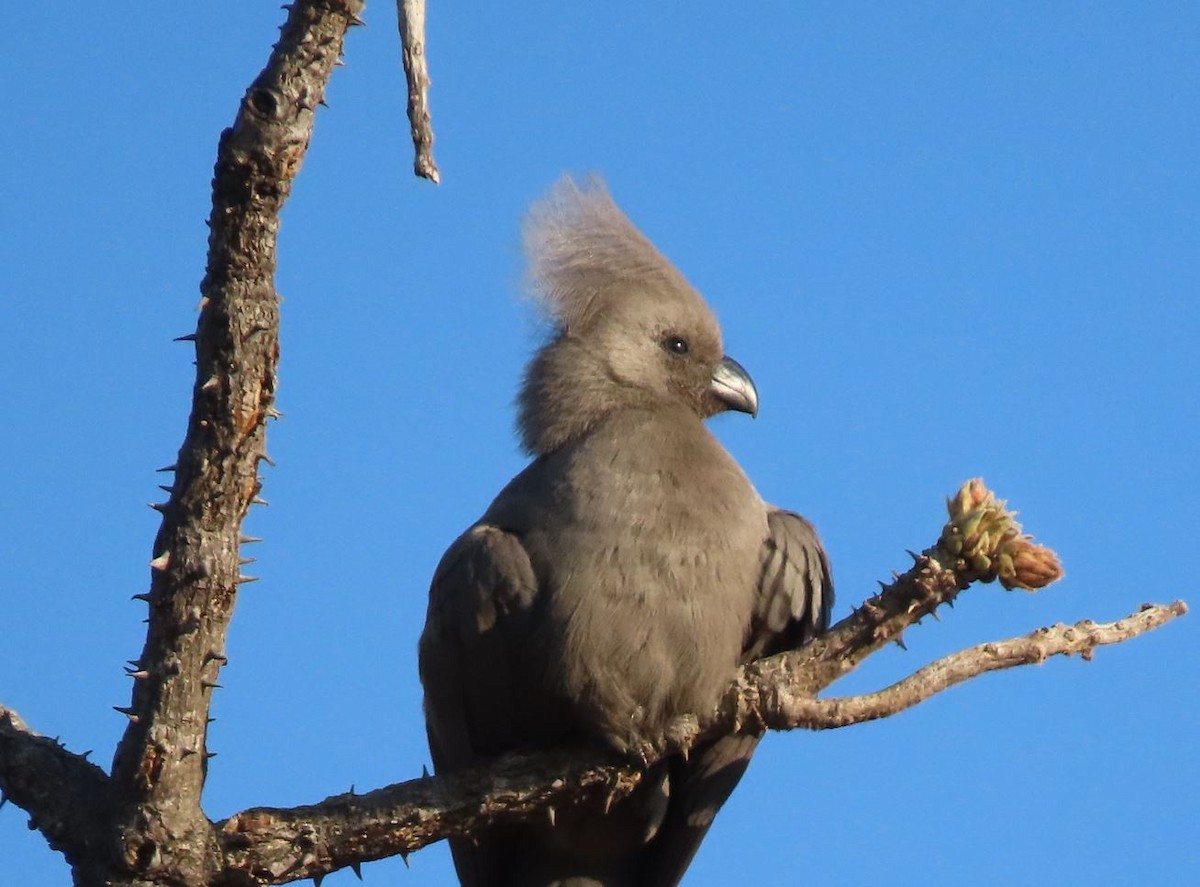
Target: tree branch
[[1057, 640], [160, 763], [67, 796], [277, 845], [411, 17]]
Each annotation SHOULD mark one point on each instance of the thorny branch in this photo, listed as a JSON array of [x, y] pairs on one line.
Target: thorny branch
[[66, 795], [406, 816], [143, 824], [160, 764], [797, 710]]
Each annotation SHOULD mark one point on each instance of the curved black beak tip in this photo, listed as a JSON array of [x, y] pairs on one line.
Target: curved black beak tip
[[732, 385]]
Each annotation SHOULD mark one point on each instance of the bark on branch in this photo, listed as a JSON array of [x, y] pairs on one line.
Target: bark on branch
[[160, 763], [68, 798], [155, 830], [303, 842], [411, 17], [793, 710]]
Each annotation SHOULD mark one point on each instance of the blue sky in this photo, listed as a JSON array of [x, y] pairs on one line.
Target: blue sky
[[947, 239]]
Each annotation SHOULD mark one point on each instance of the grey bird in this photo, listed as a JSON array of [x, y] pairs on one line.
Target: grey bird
[[621, 578]]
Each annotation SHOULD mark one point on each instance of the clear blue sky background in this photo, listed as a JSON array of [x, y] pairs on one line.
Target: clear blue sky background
[[947, 239]]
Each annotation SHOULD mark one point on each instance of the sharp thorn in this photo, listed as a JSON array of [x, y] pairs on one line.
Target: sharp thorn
[[356, 867], [136, 663], [338, 63], [242, 561], [950, 603], [916, 557], [404, 858], [3, 799], [608, 802], [190, 337], [273, 413], [140, 597], [424, 772], [166, 468], [166, 489], [317, 879], [267, 459], [210, 685], [246, 580], [900, 643], [209, 720], [210, 754], [551, 815], [356, 22], [160, 507], [883, 586], [128, 712], [212, 383], [248, 540], [351, 792], [323, 103], [259, 500], [160, 562], [935, 616], [140, 675], [84, 754]]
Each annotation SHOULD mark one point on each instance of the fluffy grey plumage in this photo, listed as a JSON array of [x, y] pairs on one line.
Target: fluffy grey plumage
[[620, 579]]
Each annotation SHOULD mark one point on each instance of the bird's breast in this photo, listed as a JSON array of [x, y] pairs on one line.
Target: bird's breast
[[648, 559]]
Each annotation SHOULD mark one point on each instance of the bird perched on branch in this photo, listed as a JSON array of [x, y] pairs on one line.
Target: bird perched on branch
[[621, 578]]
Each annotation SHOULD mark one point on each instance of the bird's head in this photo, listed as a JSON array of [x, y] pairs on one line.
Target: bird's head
[[630, 331]]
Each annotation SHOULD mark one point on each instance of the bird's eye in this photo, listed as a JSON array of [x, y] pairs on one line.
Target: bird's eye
[[676, 345]]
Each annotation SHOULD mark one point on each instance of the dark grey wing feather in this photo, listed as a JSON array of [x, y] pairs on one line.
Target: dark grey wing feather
[[479, 697], [795, 589], [471, 652], [698, 787]]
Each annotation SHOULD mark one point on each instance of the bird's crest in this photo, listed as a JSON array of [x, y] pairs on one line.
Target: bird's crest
[[585, 255]]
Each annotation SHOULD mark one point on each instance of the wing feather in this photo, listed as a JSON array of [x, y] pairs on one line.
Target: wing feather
[[795, 589]]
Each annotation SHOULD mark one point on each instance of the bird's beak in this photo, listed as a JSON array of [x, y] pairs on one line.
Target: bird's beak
[[733, 387]]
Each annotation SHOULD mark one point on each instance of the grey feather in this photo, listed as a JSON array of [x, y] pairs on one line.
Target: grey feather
[[619, 580]]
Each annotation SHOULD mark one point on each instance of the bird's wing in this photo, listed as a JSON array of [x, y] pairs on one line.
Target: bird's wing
[[474, 667], [795, 596], [698, 786], [795, 587], [473, 650]]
